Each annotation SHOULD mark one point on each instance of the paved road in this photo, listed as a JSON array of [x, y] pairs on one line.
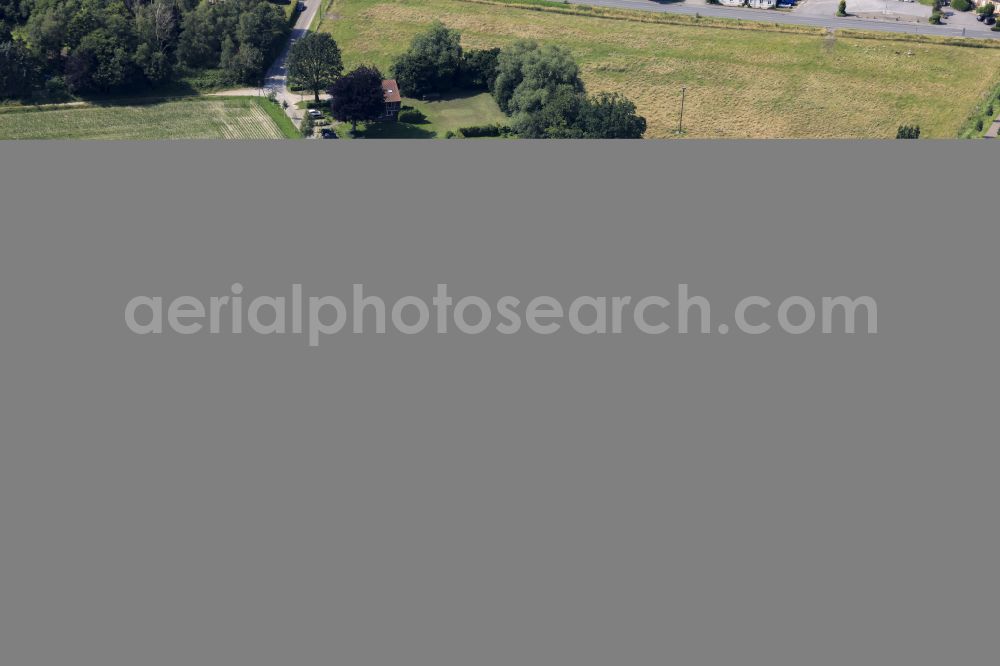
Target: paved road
[[276, 79], [770, 16]]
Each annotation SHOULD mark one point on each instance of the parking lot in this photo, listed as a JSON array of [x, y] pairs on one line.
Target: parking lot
[[904, 10]]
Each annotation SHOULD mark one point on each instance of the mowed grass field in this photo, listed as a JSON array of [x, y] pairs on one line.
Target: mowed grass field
[[742, 81], [196, 118]]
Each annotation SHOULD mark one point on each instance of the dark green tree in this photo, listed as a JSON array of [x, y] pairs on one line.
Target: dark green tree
[[558, 116], [357, 96], [611, 116], [528, 74], [479, 69], [203, 31], [431, 64], [19, 70], [100, 63], [157, 28], [263, 27], [842, 8], [246, 65], [509, 71], [14, 11], [314, 62]]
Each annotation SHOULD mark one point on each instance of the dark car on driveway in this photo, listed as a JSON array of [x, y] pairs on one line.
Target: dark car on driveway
[[328, 133]]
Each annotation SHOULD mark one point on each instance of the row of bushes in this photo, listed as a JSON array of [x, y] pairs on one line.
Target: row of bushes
[[981, 116], [477, 131]]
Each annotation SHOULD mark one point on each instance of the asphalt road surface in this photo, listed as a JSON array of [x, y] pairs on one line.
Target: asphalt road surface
[[770, 16], [276, 79]]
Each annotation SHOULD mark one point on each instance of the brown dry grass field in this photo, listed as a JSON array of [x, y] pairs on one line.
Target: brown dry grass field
[[743, 81]]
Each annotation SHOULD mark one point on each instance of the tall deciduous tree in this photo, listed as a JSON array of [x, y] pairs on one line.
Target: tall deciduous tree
[[18, 69], [557, 117], [432, 64], [479, 69], [357, 96], [529, 74], [315, 62], [611, 116]]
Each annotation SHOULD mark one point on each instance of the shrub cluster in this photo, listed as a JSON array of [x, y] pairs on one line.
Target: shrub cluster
[[412, 116], [476, 131]]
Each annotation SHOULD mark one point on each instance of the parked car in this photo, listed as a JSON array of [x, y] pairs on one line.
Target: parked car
[[990, 20], [980, 18], [314, 114], [328, 133]]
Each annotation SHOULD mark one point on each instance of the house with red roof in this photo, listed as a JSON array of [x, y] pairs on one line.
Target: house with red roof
[[393, 100]]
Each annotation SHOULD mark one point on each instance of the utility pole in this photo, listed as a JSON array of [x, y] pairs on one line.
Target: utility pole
[[680, 122]]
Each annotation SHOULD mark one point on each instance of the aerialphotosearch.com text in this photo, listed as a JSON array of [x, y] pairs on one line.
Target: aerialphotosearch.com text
[[321, 316]]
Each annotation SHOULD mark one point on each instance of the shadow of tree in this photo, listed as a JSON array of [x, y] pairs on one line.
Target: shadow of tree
[[395, 131], [139, 97], [462, 93]]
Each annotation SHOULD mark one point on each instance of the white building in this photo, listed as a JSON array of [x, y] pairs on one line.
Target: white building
[[757, 4]]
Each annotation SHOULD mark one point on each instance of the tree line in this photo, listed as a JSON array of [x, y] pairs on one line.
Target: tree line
[[82, 47]]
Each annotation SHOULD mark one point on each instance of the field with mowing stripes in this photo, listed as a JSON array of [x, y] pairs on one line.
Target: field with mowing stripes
[[197, 118], [743, 81]]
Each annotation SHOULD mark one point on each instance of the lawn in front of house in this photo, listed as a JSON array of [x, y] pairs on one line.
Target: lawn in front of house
[[448, 114], [460, 110]]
